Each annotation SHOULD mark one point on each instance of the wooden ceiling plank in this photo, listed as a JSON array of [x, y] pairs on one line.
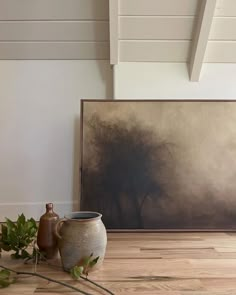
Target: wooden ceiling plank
[[202, 31]]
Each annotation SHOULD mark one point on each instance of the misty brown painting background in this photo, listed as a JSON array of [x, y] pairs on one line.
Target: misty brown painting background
[[160, 164]]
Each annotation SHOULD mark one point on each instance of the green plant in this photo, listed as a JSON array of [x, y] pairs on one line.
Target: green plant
[[7, 273], [6, 278], [17, 236], [84, 267], [9, 276]]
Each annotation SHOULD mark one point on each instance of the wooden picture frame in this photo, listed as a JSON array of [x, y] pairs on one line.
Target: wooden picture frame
[[160, 165]]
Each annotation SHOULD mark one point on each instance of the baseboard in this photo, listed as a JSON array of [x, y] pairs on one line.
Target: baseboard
[[34, 209]]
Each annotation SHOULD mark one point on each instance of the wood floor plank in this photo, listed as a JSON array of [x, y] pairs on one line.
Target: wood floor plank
[[184, 263]]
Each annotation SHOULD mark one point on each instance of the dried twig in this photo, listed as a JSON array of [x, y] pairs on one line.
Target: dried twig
[[98, 285], [45, 278]]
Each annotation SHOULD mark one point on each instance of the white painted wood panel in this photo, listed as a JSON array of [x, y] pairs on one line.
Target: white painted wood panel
[[114, 28], [54, 50], [158, 7], [221, 51], [223, 28], [54, 31], [53, 9], [156, 27], [225, 8], [163, 51], [199, 44]]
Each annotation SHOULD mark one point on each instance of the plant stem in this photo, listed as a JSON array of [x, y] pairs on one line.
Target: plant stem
[[86, 279], [45, 278], [96, 284]]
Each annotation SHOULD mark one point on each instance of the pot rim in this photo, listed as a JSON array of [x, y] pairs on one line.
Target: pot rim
[[94, 216]]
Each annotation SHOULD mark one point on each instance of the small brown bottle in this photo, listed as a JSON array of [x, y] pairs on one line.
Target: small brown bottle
[[46, 239]]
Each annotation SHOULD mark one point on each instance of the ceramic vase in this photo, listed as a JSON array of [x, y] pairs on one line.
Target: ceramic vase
[[81, 234]]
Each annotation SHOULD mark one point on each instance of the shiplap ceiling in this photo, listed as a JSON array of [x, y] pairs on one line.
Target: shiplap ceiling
[[192, 31], [54, 29]]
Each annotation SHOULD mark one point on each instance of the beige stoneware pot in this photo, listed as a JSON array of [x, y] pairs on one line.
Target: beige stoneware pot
[[81, 234]]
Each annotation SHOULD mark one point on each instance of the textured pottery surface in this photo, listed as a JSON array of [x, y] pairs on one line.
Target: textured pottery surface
[[81, 234], [46, 238]]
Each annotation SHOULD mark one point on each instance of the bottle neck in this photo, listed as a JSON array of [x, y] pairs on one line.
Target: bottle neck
[[49, 208]]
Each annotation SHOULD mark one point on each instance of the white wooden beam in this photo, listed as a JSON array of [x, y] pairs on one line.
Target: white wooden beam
[[114, 31], [202, 31]]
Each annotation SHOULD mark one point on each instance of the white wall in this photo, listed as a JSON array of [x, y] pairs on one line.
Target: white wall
[[171, 80], [39, 120], [39, 131]]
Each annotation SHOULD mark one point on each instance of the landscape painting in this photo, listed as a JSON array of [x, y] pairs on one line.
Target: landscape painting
[[163, 165]]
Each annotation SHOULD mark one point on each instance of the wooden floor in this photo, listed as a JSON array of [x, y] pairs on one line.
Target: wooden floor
[[150, 264]]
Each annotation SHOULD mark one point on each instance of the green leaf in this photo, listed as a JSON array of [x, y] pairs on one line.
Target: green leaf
[[88, 263], [25, 254], [76, 272], [10, 225], [4, 283], [86, 260], [5, 274], [4, 232], [5, 278], [33, 223], [13, 239], [21, 219], [5, 247], [32, 231], [93, 262]]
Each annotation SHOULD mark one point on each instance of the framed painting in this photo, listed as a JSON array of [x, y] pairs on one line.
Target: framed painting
[[159, 164]]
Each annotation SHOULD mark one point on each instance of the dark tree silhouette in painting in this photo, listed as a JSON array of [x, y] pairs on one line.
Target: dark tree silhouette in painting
[[125, 169]]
